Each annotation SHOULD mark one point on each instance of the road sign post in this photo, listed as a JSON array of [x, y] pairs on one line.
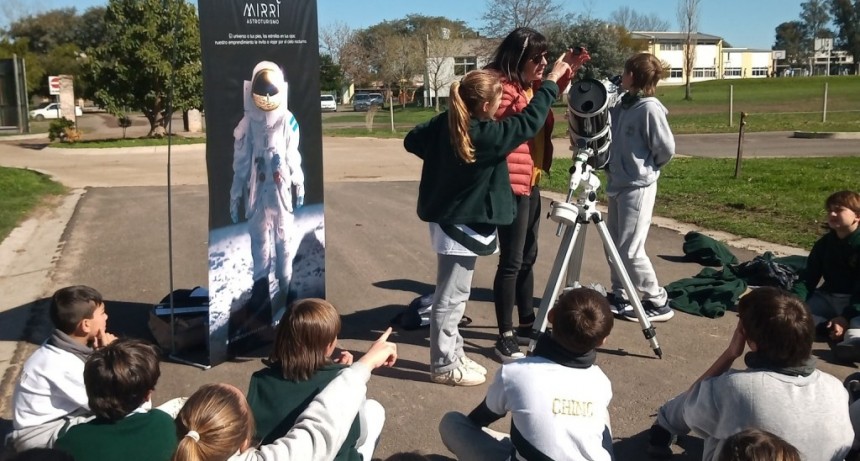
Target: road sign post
[[54, 85]]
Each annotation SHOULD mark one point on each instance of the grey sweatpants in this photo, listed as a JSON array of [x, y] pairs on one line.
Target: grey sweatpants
[[628, 221], [470, 442], [825, 306], [453, 285]]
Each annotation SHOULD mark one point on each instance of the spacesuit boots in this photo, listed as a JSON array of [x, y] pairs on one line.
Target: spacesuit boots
[[252, 323]]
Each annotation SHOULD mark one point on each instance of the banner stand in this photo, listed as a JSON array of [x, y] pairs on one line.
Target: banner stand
[[173, 352]]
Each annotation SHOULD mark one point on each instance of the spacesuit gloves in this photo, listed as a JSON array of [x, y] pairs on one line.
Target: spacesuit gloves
[[234, 210], [300, 195]]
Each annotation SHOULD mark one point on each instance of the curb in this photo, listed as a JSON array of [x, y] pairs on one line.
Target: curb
[[825, 135], [758, 246], [27, 260]]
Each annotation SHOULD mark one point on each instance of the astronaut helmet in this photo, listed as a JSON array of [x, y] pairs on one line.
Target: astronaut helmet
[[268, 87]]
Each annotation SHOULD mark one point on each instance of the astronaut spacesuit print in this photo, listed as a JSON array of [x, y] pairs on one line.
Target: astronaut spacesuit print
[[267, 174]]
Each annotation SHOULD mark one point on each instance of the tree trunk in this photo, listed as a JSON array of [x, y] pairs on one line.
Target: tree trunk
[[687, 95]]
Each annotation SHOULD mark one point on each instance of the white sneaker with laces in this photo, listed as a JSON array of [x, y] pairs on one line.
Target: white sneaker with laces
[[460, 376], [473, 365]]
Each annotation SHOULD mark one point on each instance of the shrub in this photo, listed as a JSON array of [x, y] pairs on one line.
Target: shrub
[[57, 129]]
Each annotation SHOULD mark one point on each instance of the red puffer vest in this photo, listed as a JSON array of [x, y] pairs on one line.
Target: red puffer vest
[[520, 161]]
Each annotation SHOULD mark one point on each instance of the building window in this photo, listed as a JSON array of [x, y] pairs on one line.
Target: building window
[[759, 71], [704, 72], [672, 46], [676, 72], [732, 72], [465, 64]]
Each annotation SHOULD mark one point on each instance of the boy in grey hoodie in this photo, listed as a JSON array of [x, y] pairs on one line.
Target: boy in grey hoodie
[[642, 143], [780, 391]]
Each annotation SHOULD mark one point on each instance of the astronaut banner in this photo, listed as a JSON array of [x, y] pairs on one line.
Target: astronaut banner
[[264, 159]]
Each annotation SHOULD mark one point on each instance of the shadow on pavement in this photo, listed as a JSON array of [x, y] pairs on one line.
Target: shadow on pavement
[[635, 447], [27, 322]]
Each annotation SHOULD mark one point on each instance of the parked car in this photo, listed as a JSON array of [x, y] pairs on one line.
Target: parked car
[[363, 101], [328, 103], [48, 110]]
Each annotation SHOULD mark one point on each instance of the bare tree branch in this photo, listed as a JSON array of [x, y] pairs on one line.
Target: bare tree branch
[[632, 20], [688, 19], [334, 38], [503, 16]]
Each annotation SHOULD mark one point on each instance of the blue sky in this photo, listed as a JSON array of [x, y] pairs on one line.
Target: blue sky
[[743, 23]]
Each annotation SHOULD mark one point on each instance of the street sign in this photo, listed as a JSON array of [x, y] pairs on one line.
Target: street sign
[[54, 84]]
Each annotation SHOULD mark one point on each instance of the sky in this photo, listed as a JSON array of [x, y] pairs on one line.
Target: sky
[[742, 23]]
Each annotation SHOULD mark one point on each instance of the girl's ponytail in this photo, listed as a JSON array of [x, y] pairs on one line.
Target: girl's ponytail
[[466, 100], [458, 124], [213, 424]]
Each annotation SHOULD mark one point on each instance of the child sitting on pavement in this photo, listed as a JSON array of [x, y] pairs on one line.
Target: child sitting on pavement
[[835, 258], [780, 391], [50, 395], [299, 368], [120, 380], [216, 423], [558, 398]]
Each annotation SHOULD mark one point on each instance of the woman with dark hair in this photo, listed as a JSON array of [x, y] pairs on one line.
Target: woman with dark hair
[[520, 61]]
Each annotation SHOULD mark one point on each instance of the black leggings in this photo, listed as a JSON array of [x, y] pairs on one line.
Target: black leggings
[[514, 282]]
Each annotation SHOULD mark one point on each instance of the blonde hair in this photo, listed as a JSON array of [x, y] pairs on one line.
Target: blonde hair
[[213, 425], [647, 70], [304, 334], [467, 98]]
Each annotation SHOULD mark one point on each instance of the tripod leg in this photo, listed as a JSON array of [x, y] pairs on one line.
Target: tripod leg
[[553, 284], [574, 269], [618, 266]]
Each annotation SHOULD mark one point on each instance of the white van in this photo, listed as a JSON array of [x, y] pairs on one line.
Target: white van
[[327, 103]]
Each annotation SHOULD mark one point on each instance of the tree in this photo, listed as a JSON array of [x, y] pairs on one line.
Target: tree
[[815, 17], [846, 17], [334, 39], [46, 30], [632, 20], [688, 19], [440, 53], [331, 76], [790, 37], [608, 44], [149, 46], [503, 16], [401, 58]]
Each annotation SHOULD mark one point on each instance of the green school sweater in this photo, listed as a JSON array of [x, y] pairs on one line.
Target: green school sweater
[[454, 192], [149, 436], [837, 262], [276, 404]]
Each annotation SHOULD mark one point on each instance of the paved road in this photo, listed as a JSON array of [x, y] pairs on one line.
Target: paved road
[[115, 238]]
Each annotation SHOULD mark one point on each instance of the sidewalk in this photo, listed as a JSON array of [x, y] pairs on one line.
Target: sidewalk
[[113, 236]]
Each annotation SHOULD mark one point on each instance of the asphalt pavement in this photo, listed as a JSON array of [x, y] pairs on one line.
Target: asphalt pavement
[[111, 232]]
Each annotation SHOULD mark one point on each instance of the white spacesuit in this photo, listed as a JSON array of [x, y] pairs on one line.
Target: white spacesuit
[[267, 173]]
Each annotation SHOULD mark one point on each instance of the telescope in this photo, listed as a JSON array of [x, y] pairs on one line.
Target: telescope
[[588, 119]]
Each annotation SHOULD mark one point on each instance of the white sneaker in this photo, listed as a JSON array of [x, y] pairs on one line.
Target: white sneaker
[[473, 365], [460, 376]]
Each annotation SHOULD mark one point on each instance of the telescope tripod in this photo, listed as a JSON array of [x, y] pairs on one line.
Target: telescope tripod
[[574, 218]]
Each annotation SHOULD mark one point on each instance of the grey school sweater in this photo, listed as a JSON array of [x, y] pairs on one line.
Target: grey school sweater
[[810, 412], [642, 143]]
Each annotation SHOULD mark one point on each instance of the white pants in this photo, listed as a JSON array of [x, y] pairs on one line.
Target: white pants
[[371, 418], [628, 221]]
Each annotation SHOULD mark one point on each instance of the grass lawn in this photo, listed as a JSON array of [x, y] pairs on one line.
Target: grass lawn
[[772, 104], [23, 190], [775, 200]]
